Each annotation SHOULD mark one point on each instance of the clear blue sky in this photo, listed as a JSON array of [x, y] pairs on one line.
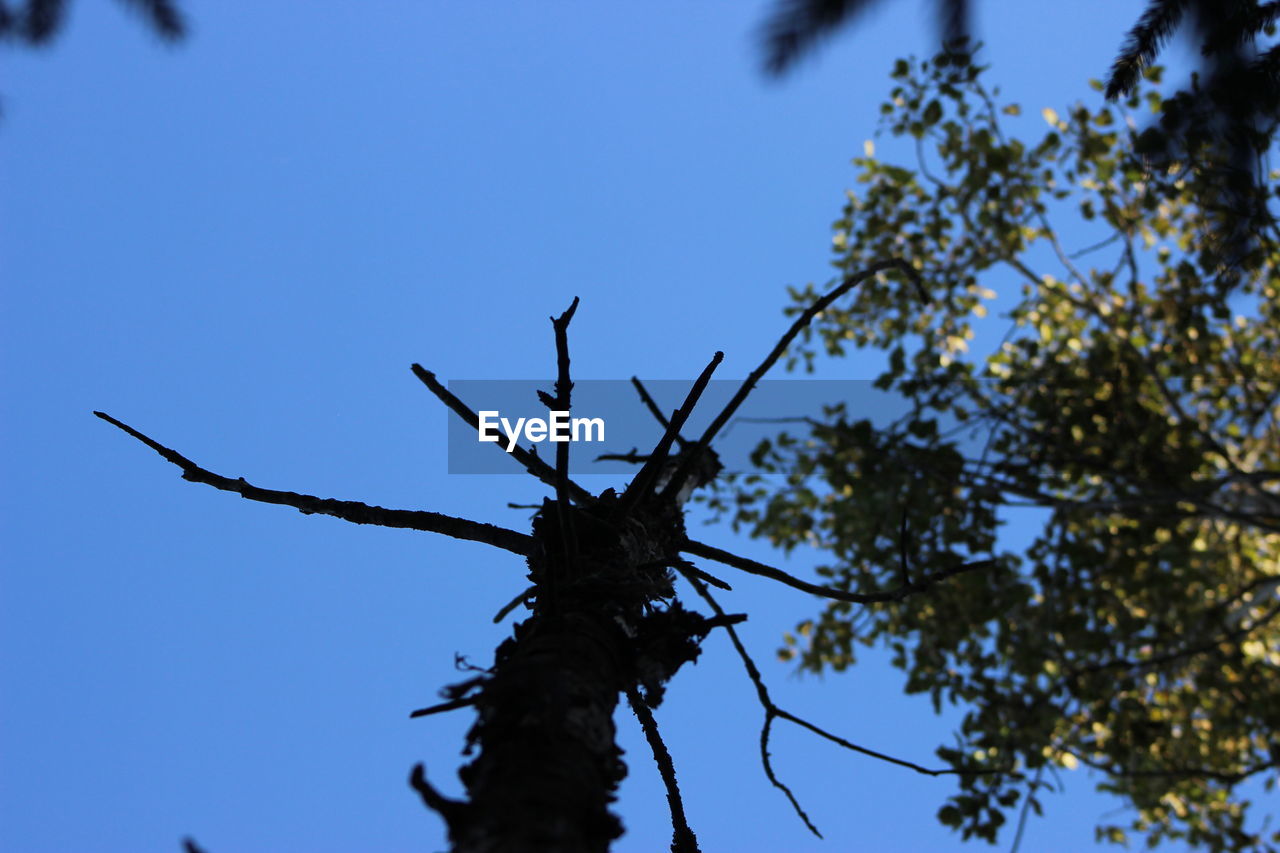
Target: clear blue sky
[[240, 244]]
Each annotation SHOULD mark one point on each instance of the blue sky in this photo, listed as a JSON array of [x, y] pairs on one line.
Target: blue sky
[[239, 245]]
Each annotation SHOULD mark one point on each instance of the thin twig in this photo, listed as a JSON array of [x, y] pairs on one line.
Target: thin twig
[[353, 511], [657, 413], [513, 604], [641, 484], [704, 576], [189, 846], [772, 711], [682, 838], [710, 552], [530, 461], [442, 708], [803, 320], [762, 693], [1026, 808]]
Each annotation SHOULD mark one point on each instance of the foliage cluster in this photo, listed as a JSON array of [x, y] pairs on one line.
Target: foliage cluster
[[1132, 395]]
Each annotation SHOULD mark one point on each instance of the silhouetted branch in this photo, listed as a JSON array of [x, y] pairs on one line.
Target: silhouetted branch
[[632, 456], [451, 810], [642, 483], [803, 320], [513, 604], [530, 461], [189, 846], [710, 552], [682, 838], [353, 511], [772, 711], [652, 406], [562, 402], [685, 565], [442, 708]]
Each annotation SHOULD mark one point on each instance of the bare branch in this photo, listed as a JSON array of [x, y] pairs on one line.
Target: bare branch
[[442, 707], [513, 604], [762, 693], [562, 402], [803, 320], [682, 838], [657, 413], [706, 577], [530, 461], [772, 711], [353, 511], [710, 552], [641, 484]]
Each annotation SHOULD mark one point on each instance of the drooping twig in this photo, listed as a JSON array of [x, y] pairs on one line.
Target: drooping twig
[[442, 708], [762, 693], [353, 511], [682, 838], [530, 461], [642, 483], [710, 552], [772, 711]]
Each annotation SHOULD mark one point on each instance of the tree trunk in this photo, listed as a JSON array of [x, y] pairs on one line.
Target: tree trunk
[[604, 619]]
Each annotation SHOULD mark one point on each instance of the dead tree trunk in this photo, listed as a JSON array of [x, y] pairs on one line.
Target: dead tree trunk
[[605, 622], [548, 764]]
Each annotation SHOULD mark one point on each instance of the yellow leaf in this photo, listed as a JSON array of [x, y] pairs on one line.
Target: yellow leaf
[[1068, 761], [869, 148], [1050, 116]]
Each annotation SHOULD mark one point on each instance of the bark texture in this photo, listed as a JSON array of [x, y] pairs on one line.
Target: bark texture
[[604, 619]]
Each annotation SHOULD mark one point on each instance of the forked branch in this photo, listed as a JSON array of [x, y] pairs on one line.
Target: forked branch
[[772, 711]]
